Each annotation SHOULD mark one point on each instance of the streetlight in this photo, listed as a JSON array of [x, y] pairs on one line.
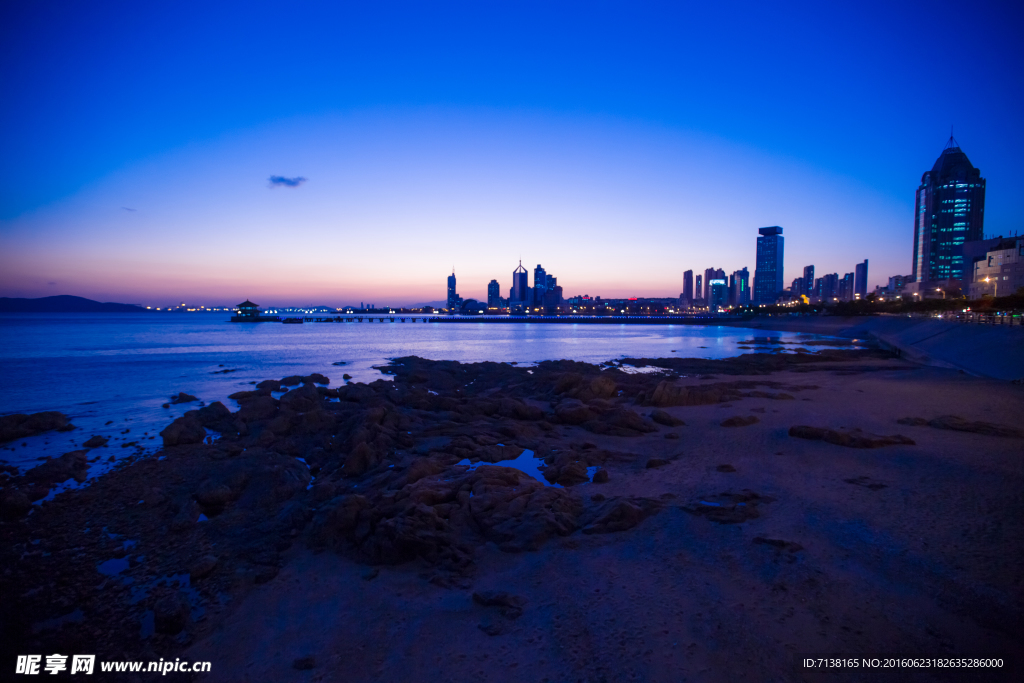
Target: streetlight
[[940, 290], [996, 292]]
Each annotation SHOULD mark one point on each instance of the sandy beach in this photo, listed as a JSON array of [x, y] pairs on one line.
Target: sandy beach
[[394, 550]]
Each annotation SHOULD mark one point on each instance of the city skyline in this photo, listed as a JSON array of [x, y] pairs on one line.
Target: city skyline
[[426, 137]]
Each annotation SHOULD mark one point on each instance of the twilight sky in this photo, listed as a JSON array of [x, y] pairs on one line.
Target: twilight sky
[[618, 144]]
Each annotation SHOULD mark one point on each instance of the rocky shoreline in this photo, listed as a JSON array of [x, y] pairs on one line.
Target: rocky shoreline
[[152, 556]]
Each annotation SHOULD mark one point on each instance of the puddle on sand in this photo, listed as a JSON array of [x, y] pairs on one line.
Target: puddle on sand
[[112, 567], [526, 463]]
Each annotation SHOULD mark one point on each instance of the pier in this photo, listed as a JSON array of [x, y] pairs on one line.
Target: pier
[[539, 319]]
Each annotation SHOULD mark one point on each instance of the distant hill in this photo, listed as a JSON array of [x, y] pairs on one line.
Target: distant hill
[[64, 304]]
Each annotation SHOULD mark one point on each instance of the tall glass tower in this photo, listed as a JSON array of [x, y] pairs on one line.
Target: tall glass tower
[[453, 297], [520, 284], [949, 211], [768, 268]]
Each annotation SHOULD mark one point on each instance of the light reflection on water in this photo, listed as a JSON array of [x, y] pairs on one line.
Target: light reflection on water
[[122, 367]]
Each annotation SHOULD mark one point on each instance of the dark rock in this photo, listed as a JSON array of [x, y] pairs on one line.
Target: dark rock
[[729, 508], [672, 435], [213, 414], [182, 397], [725, 468], [346, 377], [664, 418], [959, 424], [14, 504], [867, 483], [304, 663], [96, 441], [21, 426], [171, 614], [184, 430], [573, 412], [854, 438], [603, 386], [213, 494], [601, 476], [656, 462], [73, 465], [202, 567], [622, 514], [257, 408], [511, 605], [740, 421], [784, 546], [269, 385]]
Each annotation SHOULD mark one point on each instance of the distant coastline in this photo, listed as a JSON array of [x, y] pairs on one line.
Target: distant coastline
[[64, 304]]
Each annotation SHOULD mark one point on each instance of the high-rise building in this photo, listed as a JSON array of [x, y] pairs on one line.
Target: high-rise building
[[829, 286], [846, 289], [718, 293], [950, 210], [453, 297], [860, 285], [493, 294], [798, 287], [520, 285], [768, 271], [687, 288], [699, 287], [739, 288], [540, 284], [808, 280]]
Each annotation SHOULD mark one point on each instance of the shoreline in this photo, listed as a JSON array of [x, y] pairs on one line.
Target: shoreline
[[316, 480]]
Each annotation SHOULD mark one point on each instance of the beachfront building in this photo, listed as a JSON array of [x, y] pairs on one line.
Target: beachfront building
[[1001, 272], [769, 265], [949, 210], [860, 280]]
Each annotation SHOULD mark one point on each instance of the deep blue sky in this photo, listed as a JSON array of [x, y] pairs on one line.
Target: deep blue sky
[[859, 92]]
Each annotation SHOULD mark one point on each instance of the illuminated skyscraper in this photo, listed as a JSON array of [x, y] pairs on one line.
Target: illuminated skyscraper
[[699, 287], [949, 211], [493, 294], [768, 271], [453, 297]]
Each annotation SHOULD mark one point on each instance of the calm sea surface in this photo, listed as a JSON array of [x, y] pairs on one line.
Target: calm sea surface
[[97, 368]]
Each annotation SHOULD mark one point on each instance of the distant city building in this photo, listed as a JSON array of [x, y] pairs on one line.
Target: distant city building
[[687, 295], [718, 293], [520, 285], [829, 286], [768, 270], [493, 294], [540, 284], [453, 297], [846, 287], [860, 286], [949, 210], [709, 275], [808, 280], [1001, 272], [699, 289], [739, 288]]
